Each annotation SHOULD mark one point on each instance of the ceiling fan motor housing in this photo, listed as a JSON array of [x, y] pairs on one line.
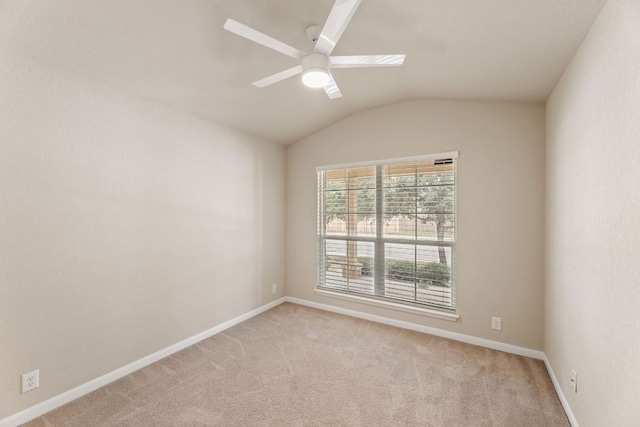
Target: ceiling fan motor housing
[[315, 70]]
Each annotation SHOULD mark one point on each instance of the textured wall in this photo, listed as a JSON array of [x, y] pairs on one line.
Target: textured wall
[[500, 205], [126, 227], [593, 222]]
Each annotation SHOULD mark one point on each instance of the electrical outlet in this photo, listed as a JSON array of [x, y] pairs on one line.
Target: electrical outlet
[[30, 380], [574, 381], [274, 288], [496, 323]]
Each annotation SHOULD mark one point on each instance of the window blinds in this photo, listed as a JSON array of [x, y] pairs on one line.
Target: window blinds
[[387, 230]]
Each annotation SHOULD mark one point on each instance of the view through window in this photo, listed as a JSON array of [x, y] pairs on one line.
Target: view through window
[[388, 230]]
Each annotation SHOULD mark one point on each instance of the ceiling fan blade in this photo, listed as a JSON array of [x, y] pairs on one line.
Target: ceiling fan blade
[[261, 38], [359, 61], [332, 90], [338, 19], [275, 78]]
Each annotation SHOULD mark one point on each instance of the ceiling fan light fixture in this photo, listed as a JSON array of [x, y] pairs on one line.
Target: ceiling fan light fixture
[[315, 70], [316, 77]]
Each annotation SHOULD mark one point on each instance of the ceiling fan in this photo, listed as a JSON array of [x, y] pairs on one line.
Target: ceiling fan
[[316, 66]]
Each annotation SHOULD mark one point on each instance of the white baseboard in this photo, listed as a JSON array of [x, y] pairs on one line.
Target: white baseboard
[[66, 397], [560, 393], [482, 342]]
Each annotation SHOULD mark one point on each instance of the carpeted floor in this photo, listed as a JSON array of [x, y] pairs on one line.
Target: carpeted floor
[[297, 366]]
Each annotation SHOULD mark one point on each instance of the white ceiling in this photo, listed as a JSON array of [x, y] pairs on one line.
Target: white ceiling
[[176, 52]]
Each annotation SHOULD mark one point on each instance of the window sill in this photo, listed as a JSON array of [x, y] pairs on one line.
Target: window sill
[[452, 317]]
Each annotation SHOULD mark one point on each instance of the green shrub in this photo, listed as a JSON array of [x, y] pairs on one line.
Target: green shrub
[[434, 273], [400, 270], [367, 265]]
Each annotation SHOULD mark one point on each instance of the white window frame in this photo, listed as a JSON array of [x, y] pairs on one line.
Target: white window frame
[[442, 311]]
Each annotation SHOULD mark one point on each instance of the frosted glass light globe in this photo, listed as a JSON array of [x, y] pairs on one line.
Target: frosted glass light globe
[[316, 77]]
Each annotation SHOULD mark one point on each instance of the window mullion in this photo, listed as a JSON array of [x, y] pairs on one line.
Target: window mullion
[[378, 260], [415, 235], [321, 246]]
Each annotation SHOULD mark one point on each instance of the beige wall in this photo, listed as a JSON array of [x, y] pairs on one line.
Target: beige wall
[[123, 233], [500, 205], [126, 227], [593, 222]]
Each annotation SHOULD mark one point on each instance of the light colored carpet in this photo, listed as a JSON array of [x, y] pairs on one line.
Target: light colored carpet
[[297, 366]]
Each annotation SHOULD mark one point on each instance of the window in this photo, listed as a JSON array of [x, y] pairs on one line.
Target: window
[[386, 231]]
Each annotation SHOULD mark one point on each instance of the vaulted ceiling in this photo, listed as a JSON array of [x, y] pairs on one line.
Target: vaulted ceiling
[[176, 52]]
